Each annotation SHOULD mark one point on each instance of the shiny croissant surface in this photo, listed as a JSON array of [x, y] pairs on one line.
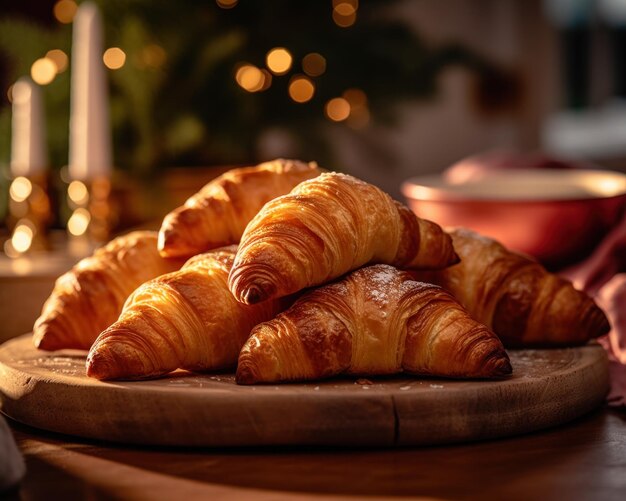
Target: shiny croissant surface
[[217, 215], [89, 297], [375, 321], [515, 296], [328, 226], [186, 319]]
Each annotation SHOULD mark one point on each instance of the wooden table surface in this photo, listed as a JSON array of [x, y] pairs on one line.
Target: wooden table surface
[[583, 460]]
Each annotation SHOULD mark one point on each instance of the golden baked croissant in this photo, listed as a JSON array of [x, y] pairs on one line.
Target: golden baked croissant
[[186, 319], [326, 227], [90, 296], [374, 321], [219, 212], [516, 297]]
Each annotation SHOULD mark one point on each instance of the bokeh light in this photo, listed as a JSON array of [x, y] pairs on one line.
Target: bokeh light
[[43, 71], [79, 222], [64, 11], [279, 60], [250, 78], [337, 109], [345, 9], [22, 237], [314, 64], [114, 58], [20, 189], [344, 13], [77, 192], [59, 58], [301, 89]]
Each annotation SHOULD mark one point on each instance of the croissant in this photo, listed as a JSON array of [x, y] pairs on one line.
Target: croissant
[[219, 212], [186, 319], [375, 321], [516, 297], [326, 227], [90, 296]]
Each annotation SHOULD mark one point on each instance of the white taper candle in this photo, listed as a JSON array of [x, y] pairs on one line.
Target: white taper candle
[[90, 133], [29, 154]]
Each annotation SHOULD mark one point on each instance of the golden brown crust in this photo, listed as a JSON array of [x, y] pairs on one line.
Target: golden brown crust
[[374, 321], [219, 212], [89, 297], [516, 297], [186, 319], [326, 227]]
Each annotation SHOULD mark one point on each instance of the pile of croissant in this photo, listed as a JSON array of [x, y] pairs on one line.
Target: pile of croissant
[[330, 276]]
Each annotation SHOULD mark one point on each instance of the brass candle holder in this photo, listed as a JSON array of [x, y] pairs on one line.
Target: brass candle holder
[[30, 215], [93, 213]]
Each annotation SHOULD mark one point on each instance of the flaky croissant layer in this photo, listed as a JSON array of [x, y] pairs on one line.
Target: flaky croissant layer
[[326, 227], [219, 212], [89, 297], [515, 296], [187, 319], [374, 321]]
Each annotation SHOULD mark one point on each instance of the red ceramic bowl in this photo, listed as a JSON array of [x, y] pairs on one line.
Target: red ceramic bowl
[[558, 216]]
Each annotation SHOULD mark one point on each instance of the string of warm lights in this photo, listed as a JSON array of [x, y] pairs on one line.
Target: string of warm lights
[[351, 107], [279, 61]]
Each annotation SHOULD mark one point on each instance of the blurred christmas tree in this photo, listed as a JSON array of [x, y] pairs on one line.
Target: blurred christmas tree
[[201, 82]]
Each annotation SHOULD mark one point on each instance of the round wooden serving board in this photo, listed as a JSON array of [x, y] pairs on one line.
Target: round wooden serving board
[[51, 391]]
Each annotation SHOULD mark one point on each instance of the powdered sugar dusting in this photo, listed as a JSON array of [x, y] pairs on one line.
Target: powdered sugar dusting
[[413, 287], [340, 288], [381, 279], [341, 176]]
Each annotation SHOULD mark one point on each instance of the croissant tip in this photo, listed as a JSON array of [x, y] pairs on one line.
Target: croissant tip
[[245, 375], [252, 295], [39, 341], [109, 360], [98, 366], [48, 338], [503, 367], [45, 343], [39, 332]]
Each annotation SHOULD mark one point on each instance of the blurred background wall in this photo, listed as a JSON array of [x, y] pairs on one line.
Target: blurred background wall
[[391, 89]]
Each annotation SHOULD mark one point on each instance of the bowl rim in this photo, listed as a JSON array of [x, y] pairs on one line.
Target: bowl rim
[[435, 187]]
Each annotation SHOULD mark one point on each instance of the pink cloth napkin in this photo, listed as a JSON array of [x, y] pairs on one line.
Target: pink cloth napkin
[[602, 275]]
